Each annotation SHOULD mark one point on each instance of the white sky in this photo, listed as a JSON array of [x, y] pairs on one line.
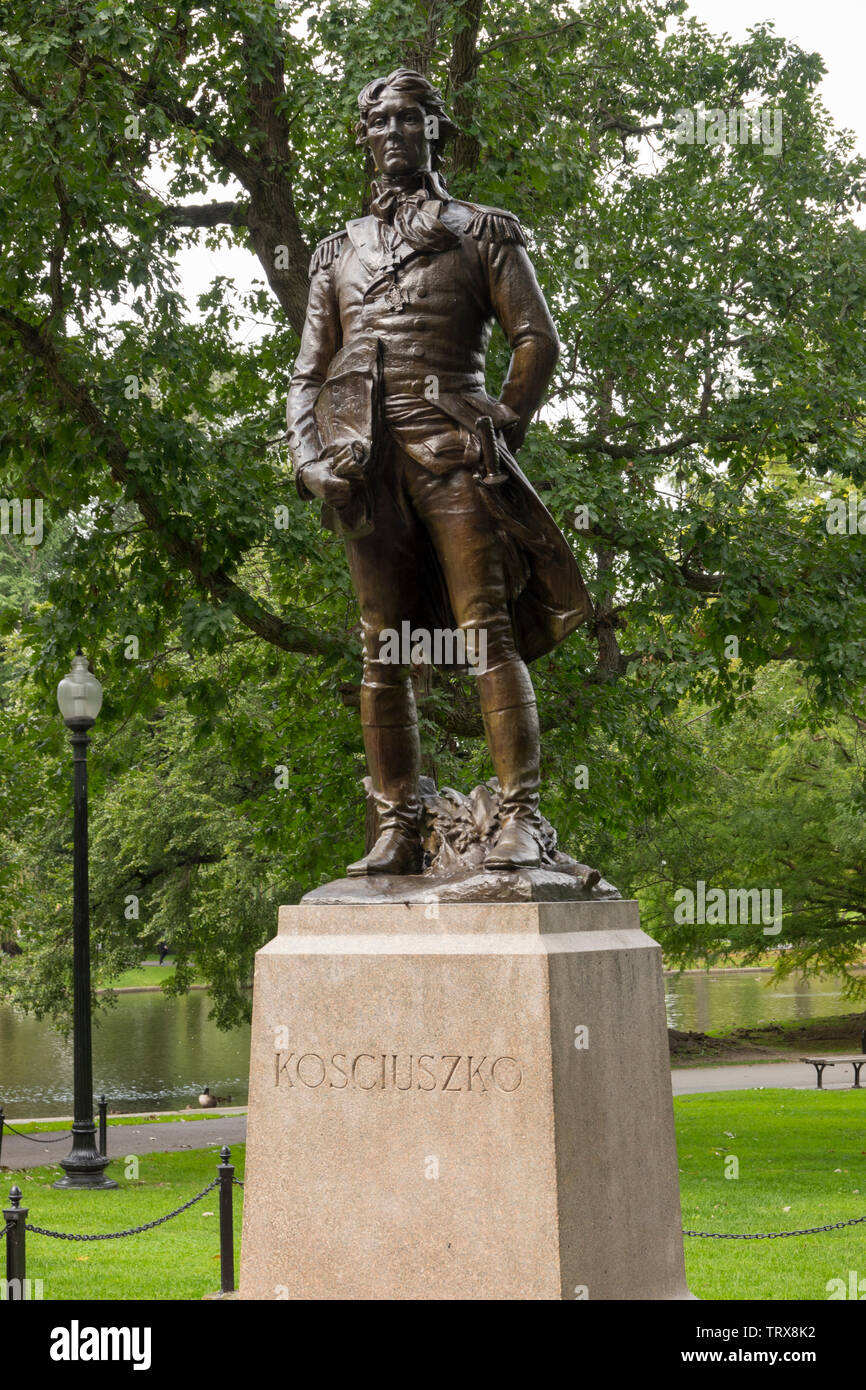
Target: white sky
[[834, 28]]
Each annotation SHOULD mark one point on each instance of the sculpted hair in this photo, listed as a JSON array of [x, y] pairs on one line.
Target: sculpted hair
[[415, 86]]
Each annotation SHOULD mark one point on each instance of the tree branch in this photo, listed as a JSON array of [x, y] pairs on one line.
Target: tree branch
[[537, 34], [462, 70], [230, 214], [58, 251], [145, 94], [189, 555], [597, 444], [274, 229], [611, 122], [419, 53], [18, 85], [700, 581]]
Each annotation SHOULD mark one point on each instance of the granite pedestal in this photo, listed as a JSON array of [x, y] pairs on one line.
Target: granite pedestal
[[460, 1101]]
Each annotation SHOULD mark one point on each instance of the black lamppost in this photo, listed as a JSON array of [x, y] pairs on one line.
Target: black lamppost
[[79, 696]]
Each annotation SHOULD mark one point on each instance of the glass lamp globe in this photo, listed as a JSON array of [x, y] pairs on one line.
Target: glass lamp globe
[[79, 694]]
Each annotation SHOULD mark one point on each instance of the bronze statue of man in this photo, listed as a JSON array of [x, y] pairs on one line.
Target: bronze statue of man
[[391, 426]]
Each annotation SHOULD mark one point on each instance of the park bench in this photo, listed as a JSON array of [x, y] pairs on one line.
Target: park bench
[[857, 1060]]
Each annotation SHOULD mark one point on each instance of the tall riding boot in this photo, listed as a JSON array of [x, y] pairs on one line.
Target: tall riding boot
[[511, 724], [393, 750]]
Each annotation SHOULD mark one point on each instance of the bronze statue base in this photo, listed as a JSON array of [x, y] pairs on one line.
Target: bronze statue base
[[457, 833], [565, 882]]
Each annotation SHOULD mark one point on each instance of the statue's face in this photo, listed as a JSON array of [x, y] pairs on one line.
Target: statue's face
[[396, 134]]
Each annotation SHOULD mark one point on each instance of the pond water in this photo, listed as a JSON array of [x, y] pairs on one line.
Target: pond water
[[714, 999], [154, 1053], [149, 1053]]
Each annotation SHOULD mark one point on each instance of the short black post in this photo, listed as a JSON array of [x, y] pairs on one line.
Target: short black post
[[103, 1126], [226, 1173], [16, 1253]]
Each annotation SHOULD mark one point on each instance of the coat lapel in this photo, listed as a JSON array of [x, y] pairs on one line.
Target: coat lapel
[[366, 236], [368, 243]]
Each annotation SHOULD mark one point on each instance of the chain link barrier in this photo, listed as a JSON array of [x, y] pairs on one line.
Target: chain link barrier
[[35, 1138], [776, 1235], [160, 1220], [149, 1225], [134, 1231]]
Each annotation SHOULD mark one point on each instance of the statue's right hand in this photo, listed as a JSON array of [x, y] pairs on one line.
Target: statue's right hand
[[321, 480]]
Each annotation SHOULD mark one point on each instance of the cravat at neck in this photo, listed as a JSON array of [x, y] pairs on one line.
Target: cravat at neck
[[389, 194], [412, 204]]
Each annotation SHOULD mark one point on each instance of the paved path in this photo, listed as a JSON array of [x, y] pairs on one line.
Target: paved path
[[168, 1137], [798, 1076]]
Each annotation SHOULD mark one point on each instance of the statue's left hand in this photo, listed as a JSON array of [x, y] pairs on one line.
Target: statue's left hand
[[347, 461], [320, 479]]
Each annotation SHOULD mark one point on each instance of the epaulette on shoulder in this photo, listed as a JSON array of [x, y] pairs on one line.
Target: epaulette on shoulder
[[496, 225], [327, 252]]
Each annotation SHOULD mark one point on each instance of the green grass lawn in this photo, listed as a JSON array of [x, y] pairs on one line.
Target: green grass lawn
[[179, 1260], [142, 975], [789, 1145], [152, 975], [49, 1126], [802, 1162]]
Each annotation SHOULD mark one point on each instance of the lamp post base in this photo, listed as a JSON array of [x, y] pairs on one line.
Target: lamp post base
[[85, 1166], [93, 1180]]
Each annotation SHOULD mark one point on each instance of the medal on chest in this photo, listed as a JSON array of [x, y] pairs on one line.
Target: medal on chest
[[395, 295]]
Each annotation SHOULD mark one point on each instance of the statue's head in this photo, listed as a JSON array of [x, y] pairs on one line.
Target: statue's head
[[403, 122]]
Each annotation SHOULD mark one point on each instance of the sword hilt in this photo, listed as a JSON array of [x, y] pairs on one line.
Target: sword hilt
[[492, 476]]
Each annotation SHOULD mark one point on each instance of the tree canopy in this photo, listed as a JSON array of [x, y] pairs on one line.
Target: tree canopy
[[710, 301]]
